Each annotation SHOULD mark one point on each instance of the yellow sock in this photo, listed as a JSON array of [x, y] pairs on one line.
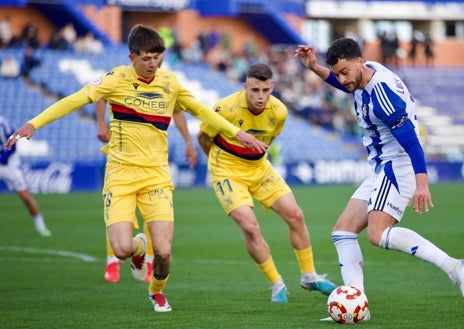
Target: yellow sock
[[305, 260], [156, 286], [269, 270], [139, 248], [150, 252]]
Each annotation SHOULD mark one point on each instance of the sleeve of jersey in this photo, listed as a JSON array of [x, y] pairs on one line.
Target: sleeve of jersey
[[207, 116], [406, 136], [333, 81], [391, 109], [60, 109], [207, 129]]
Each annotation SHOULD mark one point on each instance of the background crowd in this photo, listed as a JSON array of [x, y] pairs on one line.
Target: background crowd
[[305, 95]]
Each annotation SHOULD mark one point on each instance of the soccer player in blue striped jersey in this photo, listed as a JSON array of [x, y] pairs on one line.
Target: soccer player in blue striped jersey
[[11, 173], [142, 98], [385, 111]]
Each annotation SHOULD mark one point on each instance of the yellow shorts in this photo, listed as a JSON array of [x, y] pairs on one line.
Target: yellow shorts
[[127, 188], [236, 188]]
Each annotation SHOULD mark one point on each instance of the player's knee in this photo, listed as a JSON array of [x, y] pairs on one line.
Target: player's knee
[[374, 237], [122, 251], [163, 257]]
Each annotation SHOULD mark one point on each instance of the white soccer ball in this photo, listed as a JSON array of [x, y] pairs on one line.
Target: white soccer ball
[[347, 304]]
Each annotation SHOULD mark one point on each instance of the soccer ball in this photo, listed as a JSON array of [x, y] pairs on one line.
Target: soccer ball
[[347, 304]]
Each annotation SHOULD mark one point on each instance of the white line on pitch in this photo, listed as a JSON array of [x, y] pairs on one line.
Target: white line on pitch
[[85, 258]]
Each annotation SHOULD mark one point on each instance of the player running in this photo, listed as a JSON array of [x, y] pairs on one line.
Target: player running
[[142, 98], [238, 175]]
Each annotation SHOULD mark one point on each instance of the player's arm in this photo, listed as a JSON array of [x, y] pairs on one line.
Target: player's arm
[[54, 112], [191, 155], [205, 141], [103, 132], [209, 117], [308, 57]]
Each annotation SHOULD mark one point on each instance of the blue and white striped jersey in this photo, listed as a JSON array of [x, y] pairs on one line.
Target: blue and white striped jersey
[[5, 131], [383, 105]]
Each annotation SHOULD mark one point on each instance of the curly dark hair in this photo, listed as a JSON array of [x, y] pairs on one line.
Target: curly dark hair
[[343, 48]]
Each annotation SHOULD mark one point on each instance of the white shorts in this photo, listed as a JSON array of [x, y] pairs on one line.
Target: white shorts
[[389, 190], [13, 175]]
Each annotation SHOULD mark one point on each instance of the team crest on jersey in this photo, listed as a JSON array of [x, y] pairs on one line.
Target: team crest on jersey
[[96, 82], [136, 85]]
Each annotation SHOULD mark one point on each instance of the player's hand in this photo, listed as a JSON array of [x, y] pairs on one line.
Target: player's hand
[[191, 155], [422, 200], [103, 133], [251, 142], [307, 54], [25, 131]]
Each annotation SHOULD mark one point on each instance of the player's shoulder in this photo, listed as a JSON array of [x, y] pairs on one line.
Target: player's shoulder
[[277, 105]]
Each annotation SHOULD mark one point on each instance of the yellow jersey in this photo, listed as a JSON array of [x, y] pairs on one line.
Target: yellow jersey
[[226, 152], [140, 113]]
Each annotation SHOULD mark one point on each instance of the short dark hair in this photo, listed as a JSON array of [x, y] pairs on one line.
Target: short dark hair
[[343, 48], [261, 72], [145, 38]]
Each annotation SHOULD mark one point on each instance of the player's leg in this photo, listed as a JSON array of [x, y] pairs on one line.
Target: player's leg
[[259, 250], [15, 180], [149, 255], [161, 234], [299, 237], [112, 263], [394, 188], [156, 208], [119, 215], [34, 211]]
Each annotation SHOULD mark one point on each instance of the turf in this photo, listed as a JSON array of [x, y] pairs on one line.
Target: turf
[[58, 282]]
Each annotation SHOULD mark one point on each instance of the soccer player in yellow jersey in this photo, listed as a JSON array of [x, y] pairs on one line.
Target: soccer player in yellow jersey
[[103, 134], [142, 98], [238, 175]]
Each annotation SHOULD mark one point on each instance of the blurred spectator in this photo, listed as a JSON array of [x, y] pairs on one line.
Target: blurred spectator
[[5, 32], [69, 33], [58, 42], [415, 41], [29, 36], [88, 44], [29, 62], [9, 67], [428, 50], [192, 54]]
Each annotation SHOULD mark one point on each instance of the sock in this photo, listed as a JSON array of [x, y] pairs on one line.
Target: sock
[[39, 222], [411, 243], [349, 257], [156, 285], [277, 286], [139, 248], [305, 260], [149, 253], [269, 270]]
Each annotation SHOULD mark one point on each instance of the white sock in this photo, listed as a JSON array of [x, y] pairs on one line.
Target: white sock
[[276, 287], [39, 222], [350, 258], [310, 277], [411, 243]]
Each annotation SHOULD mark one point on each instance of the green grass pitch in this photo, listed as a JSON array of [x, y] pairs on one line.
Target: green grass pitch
[[58, 282]]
